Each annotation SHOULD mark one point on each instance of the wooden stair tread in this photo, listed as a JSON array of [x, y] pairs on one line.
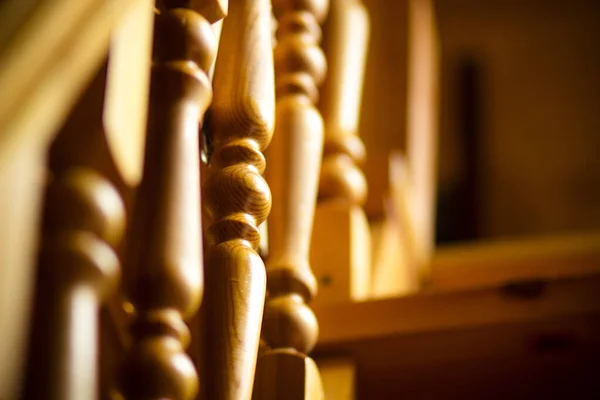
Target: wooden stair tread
[[430, 312]]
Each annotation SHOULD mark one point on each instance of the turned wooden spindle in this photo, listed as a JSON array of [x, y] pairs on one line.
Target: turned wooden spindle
[[84, 217], [165, 242], [237, 199], [344, 268], [290, 328], [344, 43]]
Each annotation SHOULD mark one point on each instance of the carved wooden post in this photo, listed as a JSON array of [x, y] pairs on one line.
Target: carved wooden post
[[83, 221], [237, 199], [289, 327], [92, 161], [165, 247], [343, 267]]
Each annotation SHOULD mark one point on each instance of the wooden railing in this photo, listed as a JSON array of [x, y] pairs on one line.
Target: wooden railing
[[164, 248], [237, 200], [289, 326]]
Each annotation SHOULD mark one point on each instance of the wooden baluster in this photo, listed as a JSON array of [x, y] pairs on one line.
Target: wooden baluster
[[237, 199], [289, 327], [345, 267], [92, 164], [165, 247], [49, 52], [345, 44], [83, 221]]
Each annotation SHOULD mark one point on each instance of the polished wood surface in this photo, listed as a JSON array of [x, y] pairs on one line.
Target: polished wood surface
[[339, 376], [345, 37], [164, 249], [125, 114], [289, 327], [343, 267], [414, 315], [494, 263], [84, 218], [49, 51], [382, 124], [421, 129], [237, 200], [210, 294]]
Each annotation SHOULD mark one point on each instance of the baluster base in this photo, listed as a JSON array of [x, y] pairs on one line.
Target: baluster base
[[287, 374]]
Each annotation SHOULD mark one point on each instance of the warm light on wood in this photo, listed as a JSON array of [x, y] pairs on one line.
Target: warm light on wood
[[344, 267], [289, 327], [346, 33], [421, 130], [49, 51], [237, 200], [83, 222], [339, 376], [126, 112], [165, 252]]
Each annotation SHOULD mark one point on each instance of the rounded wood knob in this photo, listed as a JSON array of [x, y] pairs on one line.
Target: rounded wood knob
[[289, 322], [341, 178], [183, 34], [159, 368]]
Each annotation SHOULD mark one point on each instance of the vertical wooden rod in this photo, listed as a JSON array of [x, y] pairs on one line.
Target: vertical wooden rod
[[290, 328], [165, 242], [345, 44], [237, 199], [83, 221]]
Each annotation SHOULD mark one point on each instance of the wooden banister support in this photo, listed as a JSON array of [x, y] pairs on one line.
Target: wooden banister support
[[237, 200], [49, 51], [345, 37], [83, 222], [84, 217], [421, 129], [290, 328], [343, 268], [165, 251]]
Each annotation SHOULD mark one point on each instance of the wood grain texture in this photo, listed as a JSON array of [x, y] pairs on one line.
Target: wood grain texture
[[295, 156], [237, 200], [165, 251], [345, 37]]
